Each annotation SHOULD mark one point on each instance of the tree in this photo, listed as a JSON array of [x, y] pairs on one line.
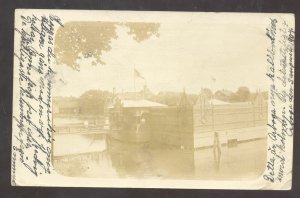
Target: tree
[[208, 93], [77, 40], [168, 98], [92, 102], [243, 94]]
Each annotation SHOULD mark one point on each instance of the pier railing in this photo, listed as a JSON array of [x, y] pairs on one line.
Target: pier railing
[[79, 129]]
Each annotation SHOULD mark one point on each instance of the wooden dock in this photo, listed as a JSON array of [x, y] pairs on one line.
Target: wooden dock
[[79, 130]]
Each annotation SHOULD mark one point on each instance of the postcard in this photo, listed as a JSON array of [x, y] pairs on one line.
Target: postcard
[[144, 99]]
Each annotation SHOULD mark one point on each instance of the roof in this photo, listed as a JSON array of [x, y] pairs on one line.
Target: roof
[[141, 103], [217, 102], [224, 92], [220, 102]]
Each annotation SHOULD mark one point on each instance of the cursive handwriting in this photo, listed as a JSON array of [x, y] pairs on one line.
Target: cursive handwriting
[[33, 120], [281, 76]]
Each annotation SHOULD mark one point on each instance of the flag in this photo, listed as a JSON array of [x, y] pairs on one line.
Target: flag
[[138, 74]]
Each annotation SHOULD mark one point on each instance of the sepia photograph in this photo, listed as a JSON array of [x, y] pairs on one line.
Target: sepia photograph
[[153, 99], [160, 100]]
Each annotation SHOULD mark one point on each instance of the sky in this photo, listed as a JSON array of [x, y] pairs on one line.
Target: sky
[[184, 56]]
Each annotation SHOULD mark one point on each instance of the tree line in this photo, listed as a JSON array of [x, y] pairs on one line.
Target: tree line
[[93, 101]]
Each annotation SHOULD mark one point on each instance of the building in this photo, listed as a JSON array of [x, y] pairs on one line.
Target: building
[[223, 95], [65, 106], [195, 126], [129, 119], [233, 122], [188, 125]]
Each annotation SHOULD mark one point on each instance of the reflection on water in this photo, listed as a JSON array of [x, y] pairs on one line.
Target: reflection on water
[[110, 158]]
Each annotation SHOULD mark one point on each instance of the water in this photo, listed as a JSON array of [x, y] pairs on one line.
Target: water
[[110, 158]]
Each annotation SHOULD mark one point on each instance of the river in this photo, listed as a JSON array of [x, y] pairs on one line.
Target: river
[[100, 156]]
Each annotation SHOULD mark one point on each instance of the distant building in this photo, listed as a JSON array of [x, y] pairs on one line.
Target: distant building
[[223, 95], [145, 93], [65, 105]]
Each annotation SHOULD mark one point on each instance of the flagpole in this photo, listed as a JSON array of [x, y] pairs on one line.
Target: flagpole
[[212, 103], [134, 82], [144, 88]]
